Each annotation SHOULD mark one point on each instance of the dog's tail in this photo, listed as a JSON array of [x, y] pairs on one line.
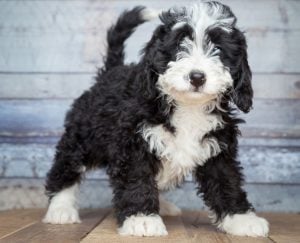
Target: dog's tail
[[118, 33]]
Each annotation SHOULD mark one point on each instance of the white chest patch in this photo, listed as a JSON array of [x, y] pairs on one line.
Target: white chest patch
[[181, 152]]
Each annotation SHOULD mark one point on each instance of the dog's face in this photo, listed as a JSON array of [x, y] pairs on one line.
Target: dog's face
[[200, 55]]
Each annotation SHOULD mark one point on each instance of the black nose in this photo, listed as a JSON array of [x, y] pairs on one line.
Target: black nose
[[197, 78]]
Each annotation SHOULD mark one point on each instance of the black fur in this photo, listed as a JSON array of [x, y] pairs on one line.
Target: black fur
[[234, 55], [102, 128]]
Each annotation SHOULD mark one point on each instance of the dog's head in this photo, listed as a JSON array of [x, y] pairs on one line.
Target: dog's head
[[200, 55]]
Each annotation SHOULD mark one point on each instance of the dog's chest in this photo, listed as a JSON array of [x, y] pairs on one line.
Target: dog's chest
[[181, 152]]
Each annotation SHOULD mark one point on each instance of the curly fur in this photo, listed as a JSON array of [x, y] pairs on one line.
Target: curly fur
[[149, 126]]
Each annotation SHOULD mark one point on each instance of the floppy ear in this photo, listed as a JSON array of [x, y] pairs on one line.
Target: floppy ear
[[243, 92]]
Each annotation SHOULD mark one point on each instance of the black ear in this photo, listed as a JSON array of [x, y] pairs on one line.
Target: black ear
[[243, 92]]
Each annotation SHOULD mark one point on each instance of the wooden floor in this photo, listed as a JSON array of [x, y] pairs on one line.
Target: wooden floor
[[99, 226]]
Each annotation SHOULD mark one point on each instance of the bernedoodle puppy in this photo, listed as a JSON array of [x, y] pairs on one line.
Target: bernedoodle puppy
[[152, 123]]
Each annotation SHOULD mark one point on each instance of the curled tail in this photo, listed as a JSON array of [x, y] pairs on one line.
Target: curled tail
[[118, 33]]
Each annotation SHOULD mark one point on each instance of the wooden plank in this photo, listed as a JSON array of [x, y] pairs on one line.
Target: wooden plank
[[270, 165], [264, 164], [29, 118], [31, 160], [40, 232], [22, 193], [26, 193], [200, 229], [14, 220], [191, 226], [280, 48], [276, 86], [34, 118], [30, 193], [284, 227], [106, 232], [272, 118], [33, 86], [266, 14], [243, 239], [46, 86], [264, 197], [67, 36]]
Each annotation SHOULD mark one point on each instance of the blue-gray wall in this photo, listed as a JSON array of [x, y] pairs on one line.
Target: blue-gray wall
[[49, 51]]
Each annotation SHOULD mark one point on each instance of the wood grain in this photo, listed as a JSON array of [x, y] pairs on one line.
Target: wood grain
[[284, 228], [54, 13], [270, 118], [276, 86], [40, 232], [67, 36], [62, 86], [200, 229], [106, 232], [100, 226], [41, 86], [13, 220]]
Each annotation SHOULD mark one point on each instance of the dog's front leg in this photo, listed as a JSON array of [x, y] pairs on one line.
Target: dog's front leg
[[220, 180], [136, 196]]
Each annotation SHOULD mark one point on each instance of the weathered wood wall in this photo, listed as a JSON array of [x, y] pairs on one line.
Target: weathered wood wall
[[49, 52]]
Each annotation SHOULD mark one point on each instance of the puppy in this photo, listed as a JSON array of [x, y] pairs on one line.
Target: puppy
[[152, 123]]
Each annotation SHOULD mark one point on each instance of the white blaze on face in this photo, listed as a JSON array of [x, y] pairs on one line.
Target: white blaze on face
[[198, 54]]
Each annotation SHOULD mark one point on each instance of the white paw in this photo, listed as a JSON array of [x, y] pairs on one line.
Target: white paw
[[167, 208], [62, 208], [248, 224], [62, 215], [142, 225]]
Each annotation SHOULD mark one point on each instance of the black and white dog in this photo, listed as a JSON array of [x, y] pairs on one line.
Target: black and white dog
[[152, 123]]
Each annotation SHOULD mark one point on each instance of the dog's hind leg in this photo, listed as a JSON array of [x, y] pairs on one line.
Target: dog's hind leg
[[62, 183]]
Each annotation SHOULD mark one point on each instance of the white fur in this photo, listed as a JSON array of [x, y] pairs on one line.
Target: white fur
[[142, 225], [198, 55], [167, 208], [248, 224], [203, 15], [181, 152], [63, 208], [150, 14]]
